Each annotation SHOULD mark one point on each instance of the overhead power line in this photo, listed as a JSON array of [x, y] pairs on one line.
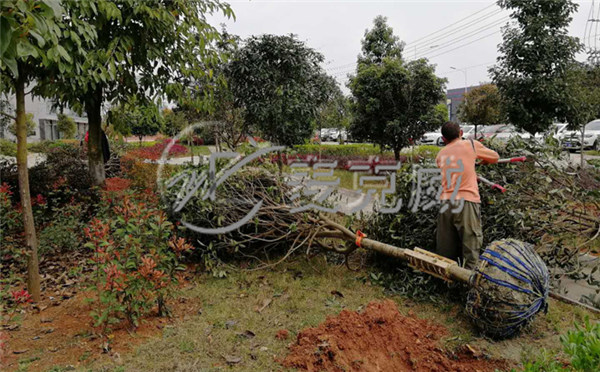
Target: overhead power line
[[461, 38], [464, 45], [450, 25], [458, 29]]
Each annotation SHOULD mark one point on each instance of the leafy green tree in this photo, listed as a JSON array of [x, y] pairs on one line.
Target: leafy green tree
[[29, 45], [66, 126], [149, 49], [174, 122], [380, 42], [335, 113], [393, 101], [29, 123], [584, 98], [135, 117], [535, 56], [438, 116], [229, 126], [481, 106], [278, 83]]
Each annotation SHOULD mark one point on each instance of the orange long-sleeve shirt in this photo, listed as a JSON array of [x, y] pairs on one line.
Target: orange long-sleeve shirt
[[448, 161]]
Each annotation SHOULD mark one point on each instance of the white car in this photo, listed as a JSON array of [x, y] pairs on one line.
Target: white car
[[432, 138], [468, 131], [571, 139], [509, 131], [435, 138]]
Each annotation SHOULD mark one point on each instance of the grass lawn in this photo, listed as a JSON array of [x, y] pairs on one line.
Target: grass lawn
[[592, 152], [198, 150], [237, 318]]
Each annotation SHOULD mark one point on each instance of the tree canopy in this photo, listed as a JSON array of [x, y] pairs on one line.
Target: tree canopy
[[66, 126], [481, 106], [393, 101], [535, 56], [380, 42], [148, 49], [31, 42], [279, 84], [137, 118]]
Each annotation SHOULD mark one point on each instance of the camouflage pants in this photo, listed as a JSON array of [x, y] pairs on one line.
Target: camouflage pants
[[459, 236]]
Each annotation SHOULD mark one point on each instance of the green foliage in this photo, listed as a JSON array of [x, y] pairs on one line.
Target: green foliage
[[584, 95], [8, 148], [48, 146], [481, 106], [29, 37], [63, 232], [279, 83], [136, 48], [174, 122], [336, 111], [535, 56], [137, 118], [339, 150], [582, 345], [136, 253], [31, 127], [380, 42], [532, 209], [438, 116], [394, 101], [10, 219], [66, 126]]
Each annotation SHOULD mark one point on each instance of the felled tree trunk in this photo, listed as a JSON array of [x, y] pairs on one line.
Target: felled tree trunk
[[33, 273]]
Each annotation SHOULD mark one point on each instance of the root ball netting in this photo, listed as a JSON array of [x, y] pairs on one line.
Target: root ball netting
[[509, 286]]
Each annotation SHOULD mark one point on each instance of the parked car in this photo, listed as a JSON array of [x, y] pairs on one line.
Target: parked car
[[468, 131], [432, 138], [435, 137], [571, 139], [509, 131], [487, 131]]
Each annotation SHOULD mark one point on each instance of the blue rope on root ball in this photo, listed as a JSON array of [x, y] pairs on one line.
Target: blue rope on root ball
[[508, 288]]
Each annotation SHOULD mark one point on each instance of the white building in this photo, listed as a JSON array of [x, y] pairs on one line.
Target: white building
[[44, 116]]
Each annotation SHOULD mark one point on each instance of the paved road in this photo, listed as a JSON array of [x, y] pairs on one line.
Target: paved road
[[33, 159]]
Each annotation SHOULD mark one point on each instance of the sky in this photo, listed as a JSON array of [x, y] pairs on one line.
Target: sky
[[463, 35]]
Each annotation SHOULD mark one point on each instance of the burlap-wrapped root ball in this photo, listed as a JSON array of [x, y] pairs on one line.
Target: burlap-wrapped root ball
[[508, 288]]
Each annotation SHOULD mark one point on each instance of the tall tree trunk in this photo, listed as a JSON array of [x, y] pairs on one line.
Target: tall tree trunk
[[581, 160], [95, 157], [33, 272]]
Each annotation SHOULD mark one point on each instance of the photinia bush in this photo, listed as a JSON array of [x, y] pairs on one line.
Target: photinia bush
[[137, 258]]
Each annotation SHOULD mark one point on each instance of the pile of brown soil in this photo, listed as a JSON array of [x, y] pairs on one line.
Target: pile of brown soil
[[380, 339]]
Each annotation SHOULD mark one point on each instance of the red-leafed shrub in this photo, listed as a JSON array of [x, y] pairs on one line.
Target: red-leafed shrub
[[116, 184], [156, 151], [137, 257]]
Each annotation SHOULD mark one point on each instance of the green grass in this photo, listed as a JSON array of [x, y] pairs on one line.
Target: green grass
[[592, 152], [353, 149], [198, 150], [300, 295]]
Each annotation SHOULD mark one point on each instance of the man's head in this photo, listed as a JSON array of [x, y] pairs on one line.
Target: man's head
[[451, 131]]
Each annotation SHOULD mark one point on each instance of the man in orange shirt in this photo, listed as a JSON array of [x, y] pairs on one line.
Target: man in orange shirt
[[459, 234]]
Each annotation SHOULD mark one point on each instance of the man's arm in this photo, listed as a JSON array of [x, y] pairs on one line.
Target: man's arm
[[486, 155]]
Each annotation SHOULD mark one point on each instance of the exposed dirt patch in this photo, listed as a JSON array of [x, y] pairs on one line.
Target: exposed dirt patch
[[381, 339], [62, 334]]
